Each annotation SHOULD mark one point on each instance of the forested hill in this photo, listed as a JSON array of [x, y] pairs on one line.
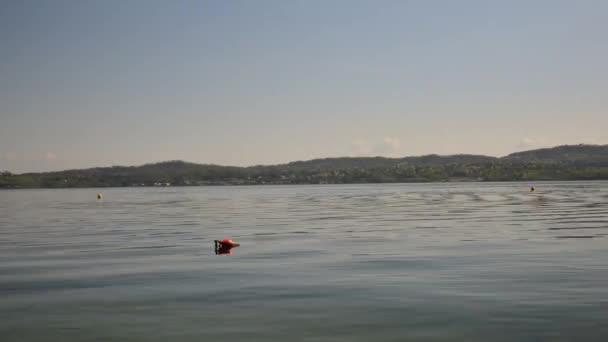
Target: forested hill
[[592, 155], [559, 163], [378, 162]]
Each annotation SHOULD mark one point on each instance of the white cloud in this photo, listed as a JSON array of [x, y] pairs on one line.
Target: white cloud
[[10, 156], [532, 143], [50, 156], [389, 146]]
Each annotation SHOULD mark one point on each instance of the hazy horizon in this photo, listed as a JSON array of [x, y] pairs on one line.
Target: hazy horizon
[[279, 163], [100, 83]]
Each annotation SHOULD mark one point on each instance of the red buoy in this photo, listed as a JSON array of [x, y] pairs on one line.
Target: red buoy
[[227, 242], [225, 246]]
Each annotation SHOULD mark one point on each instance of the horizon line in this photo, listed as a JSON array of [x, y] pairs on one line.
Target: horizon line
[[305, 160]]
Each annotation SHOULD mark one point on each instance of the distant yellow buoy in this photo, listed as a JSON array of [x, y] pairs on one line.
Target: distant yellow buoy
[[99, 196]]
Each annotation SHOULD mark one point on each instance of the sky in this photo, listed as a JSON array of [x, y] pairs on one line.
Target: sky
[[111, 82]]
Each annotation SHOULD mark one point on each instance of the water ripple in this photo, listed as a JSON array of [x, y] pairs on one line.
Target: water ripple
[[441, 262]]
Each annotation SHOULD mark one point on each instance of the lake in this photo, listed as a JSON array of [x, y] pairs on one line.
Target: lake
[[390, 262]]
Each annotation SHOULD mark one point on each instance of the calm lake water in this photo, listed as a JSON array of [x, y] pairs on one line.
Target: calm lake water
[[419, 262]]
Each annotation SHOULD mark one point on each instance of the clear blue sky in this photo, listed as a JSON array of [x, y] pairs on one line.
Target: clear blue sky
[[96, 83]]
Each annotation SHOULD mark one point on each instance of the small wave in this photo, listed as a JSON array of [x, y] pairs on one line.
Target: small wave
[[576, 228], [146, 247], [323, 218], [577, 237]]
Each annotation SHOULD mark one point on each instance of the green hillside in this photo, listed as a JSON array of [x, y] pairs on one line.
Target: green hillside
[[578, 162]]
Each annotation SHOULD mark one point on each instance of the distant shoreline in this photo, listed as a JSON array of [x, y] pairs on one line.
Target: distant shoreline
[[562, 163], [527, 182]]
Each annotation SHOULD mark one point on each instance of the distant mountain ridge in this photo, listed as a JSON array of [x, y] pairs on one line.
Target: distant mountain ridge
[[569, 154], [372, 162], [566, 162], [573, 154]]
